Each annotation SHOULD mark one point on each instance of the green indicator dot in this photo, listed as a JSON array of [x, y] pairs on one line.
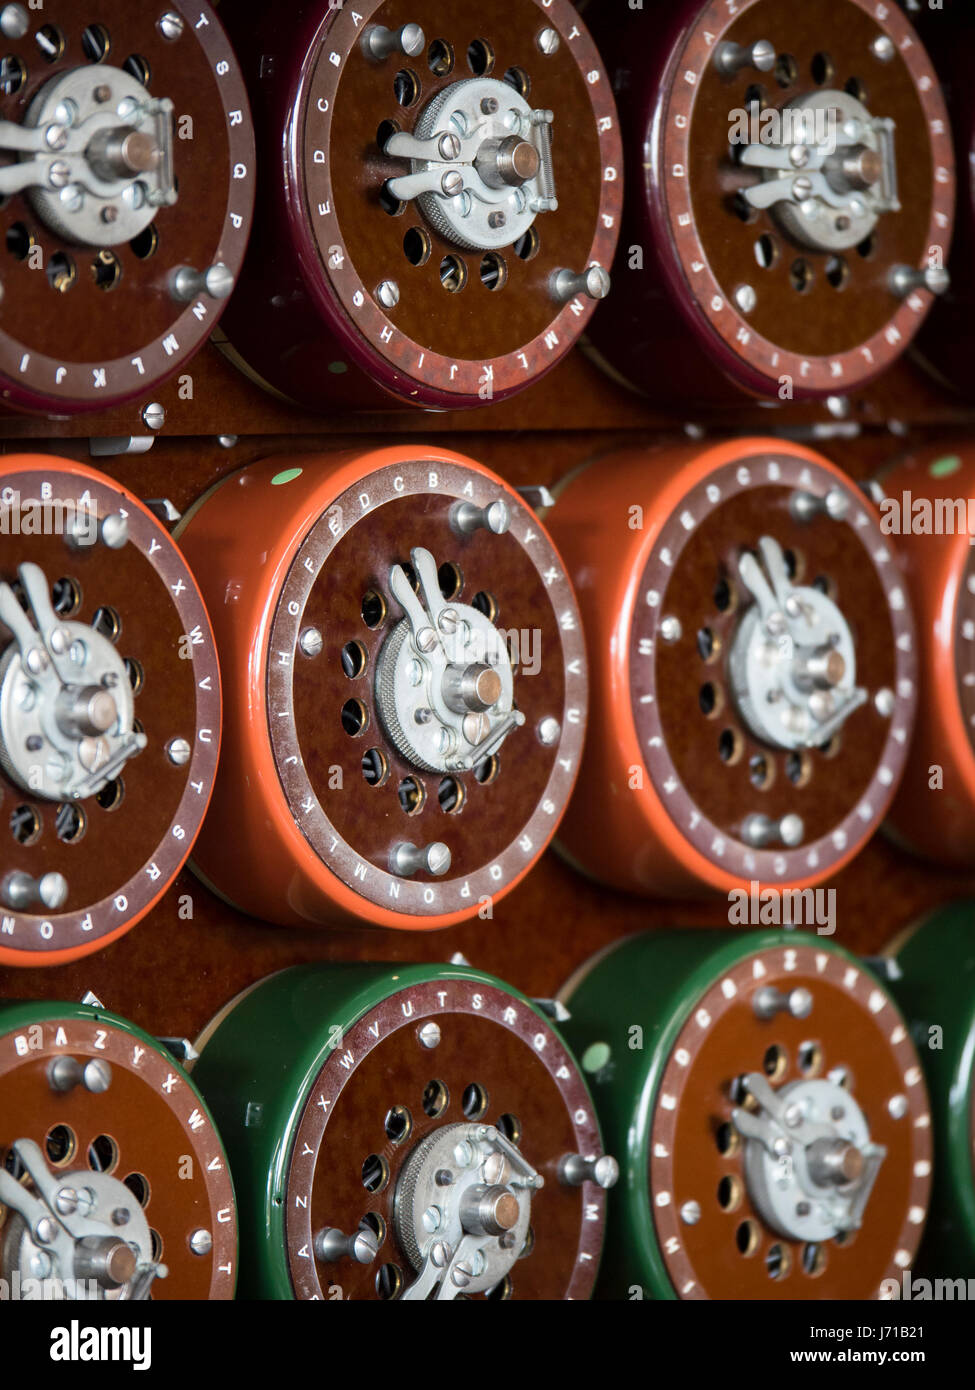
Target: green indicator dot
[[288, 476], [338, 368], [596, 1056], [941, 468]]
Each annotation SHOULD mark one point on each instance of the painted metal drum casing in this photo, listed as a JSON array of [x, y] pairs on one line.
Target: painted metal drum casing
[[243, 539], [259, 1060], [936, 989], [940, 571], [607, 522], [178, 1094], [628, 1007]]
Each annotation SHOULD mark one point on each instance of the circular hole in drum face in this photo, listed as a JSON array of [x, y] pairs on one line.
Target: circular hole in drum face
[[355, 717], [373, 608], [801, 275], [519, 79], [60, 1145], [761, 771], [111, 795], [867, 248], [453, 274], [729, 746], [741, 207], [375, 1173], [138, 67], [411, 796], [389, 203], [406, 87], [526, 247], [436, 1098], [106, 270], [107, 623], [375, 767], [494, 271], [778, 1261], [709, 699], [385, 132], [837, 272], [798, 768], [440, 58], [102, 1154], [474, 1101], [810, 1058], [451, 580], [62, 273], [450, 794], [480, 57], [66, 597], [775, 1062], [727, 1139], [354, 660], [399, 1124], [766, 251], [823, 70], [25, 825], [372, 1221], [70, 822], [138, 1185], [856, 89], [95, 43], [746, 1238], [813, 1260], [417, 246], [510, 1126], [756, 94], [145, 244], [389, 1282], [156, 1244], [20, 241], [487, 604], [786, 70], [13, 74], [50, 42], [136, 674], [486, 771], [724, 596], [730, 1193]]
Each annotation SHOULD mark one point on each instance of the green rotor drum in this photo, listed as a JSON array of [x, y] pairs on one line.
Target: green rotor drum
[[936, 991], [113, 1180], [768, 1111], [405, 1132]]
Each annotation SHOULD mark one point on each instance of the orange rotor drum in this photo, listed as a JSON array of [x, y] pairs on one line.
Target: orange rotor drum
[[109, 710], [752, 661], [932, 488], [397, 770]]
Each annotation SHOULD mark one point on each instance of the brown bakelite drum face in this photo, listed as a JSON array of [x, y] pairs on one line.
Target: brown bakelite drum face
[[854, 1031], [356, 795], [120, 848], [86, 327], [468, 323], [493, 1048], [826, 319], [709, 768], [148, 1129]]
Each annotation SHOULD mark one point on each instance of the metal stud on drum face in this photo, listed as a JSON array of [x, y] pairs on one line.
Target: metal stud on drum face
[[933, 984], [109, 710], [449, 201], [926, 509], [752, 654], [113, 1180], [794, 182], [773, 1130], [127, 198], [444, 1148], [404, 739]]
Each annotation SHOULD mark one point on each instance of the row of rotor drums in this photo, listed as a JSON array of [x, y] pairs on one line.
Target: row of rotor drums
[[392, 202], [730, 670], [759, 1116]]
